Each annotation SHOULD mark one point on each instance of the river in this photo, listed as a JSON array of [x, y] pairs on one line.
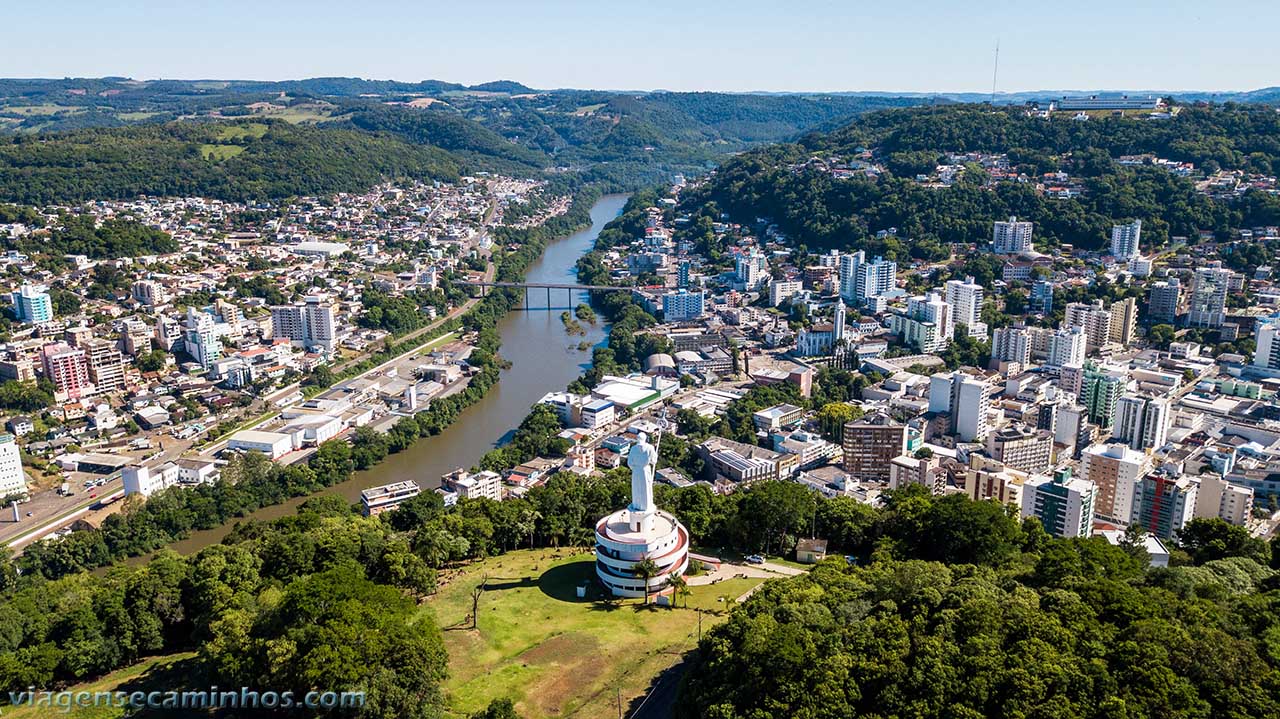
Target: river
[[533, 340]]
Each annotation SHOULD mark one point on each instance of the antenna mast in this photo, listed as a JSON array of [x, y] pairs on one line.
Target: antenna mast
[[995, 72]]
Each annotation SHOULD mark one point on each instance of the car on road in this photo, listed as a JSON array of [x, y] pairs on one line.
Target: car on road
[[754, 559], [92, 495]]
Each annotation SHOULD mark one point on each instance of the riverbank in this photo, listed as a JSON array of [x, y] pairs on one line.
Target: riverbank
[[190, 524], [542, 357]]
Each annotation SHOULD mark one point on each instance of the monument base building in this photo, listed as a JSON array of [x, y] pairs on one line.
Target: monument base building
[[626, 538], [639, 532]]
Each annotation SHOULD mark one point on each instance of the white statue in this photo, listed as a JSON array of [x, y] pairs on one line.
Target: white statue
[[643, 461]]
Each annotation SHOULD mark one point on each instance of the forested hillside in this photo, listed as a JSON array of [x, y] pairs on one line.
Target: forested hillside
[[960, 612], [107, 138], [820, 210], [260, 160]]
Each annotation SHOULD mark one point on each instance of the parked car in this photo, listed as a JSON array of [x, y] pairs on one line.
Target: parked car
[[754, 559]]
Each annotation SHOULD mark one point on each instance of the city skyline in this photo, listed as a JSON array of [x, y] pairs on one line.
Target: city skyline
[[745, 47]]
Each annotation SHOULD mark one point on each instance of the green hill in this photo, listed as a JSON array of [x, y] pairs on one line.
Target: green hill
[[188, 158], [815, 208]]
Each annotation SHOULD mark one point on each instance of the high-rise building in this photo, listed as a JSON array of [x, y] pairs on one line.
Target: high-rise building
[[1124, 317], [149, 293], [1125, 240], [311, 324], [848, 274], [870, 444], [1207, 306], [1041, 297], [985, 478], [926, 325], [783, 290], [1011, 237], [106, 365], [31, 303], [168, 333], [13, 481], [135, 336], [1011, 344], [682, 305], [1063, 504], [874, 279], [751, 269], [965, 399], [1115, 469], [1094, 318], [1163, 504], [1071, 427], [682, 274], [1022, 448], [1218, 498], [1100, 390], [1142, 421], [1066, 347], [68, 368], [201, 338], [1267, 353], [1163, 300], [965, 298]]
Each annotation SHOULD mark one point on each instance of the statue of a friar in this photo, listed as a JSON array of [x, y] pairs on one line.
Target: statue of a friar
[[643, 461]]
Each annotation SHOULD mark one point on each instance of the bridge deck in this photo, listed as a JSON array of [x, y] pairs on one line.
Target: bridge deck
[[540, 285]]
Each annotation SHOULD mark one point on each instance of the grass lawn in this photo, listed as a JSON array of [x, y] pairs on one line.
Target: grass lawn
[[785, 562], [553, 654], [161, 673], [235, 132], [46, 109], [218, 153]]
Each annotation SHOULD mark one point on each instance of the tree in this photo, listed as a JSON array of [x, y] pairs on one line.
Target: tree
[[1134, 543], [1160, 336], [646, 569], [1209, 539], [833, 417], [680, 587], [151, 361]]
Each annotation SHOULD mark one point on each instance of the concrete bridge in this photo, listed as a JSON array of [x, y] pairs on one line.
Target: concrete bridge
[[528, 287]]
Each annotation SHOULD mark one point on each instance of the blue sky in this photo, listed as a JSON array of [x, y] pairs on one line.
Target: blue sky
[[905, 45]]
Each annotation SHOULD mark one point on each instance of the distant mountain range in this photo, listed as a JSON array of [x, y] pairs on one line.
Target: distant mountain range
[[357, 87]]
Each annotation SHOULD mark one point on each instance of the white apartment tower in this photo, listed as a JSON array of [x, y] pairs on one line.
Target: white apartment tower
[[1208, 303], [13, 481], [1142, 421], [311, 324], [1267, 354], [966, 399], [1011, 344], [965, 298], [848, 273], [1125, 240], [874, 279], [1066, 347], [1012, 237]]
